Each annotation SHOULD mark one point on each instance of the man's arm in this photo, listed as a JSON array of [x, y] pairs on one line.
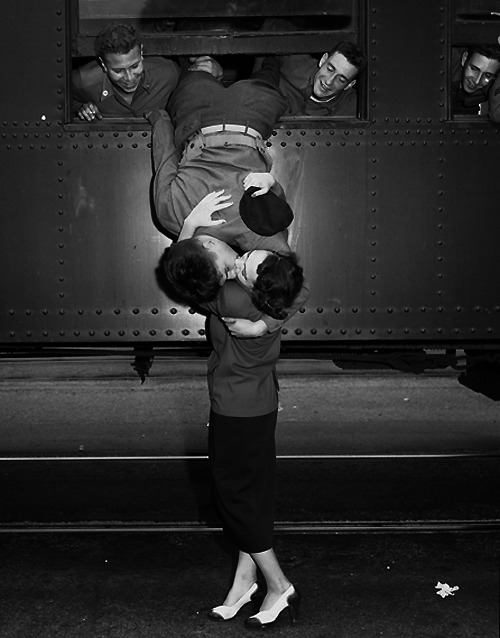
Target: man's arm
[[201, 215], [83, 104], [165, 165], [78, 96], [494, 101]]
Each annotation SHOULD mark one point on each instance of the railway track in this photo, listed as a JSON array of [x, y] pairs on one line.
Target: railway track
[[319, 494]]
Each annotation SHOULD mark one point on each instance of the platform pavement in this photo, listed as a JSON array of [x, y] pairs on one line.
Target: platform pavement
[[152, 585], [159, 585]]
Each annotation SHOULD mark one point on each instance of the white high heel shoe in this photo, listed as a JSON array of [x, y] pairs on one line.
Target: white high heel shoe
[[290, 599], [224, 612]]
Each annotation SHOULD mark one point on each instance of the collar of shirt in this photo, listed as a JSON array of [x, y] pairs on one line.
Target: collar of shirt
[[313, 98], [326, 101], [108, 91], [329, 100]]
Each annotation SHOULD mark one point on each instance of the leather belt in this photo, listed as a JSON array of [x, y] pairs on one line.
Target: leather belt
[[231, 128], [225, 135]]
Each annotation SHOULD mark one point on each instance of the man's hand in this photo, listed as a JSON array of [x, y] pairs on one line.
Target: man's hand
[[239, 327], [201, 215], [207, 64], [89, 112], [263, 181]]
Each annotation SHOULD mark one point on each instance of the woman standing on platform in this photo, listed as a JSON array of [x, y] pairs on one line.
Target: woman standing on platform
[[244, 405]]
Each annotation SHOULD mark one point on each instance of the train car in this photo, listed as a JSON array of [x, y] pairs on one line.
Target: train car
[[396, 214]]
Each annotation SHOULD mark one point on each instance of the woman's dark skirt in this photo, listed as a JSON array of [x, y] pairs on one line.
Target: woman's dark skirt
[[242, 453]]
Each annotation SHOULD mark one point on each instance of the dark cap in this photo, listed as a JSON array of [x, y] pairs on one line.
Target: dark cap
[[265, 214]]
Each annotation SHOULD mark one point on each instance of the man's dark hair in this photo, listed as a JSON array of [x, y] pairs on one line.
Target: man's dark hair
[[491, 52], [116, 38], [352, 53], [279, 281], [186, 273]]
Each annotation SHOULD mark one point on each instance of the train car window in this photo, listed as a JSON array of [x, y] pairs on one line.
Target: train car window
[[237, 35], [475, 61]]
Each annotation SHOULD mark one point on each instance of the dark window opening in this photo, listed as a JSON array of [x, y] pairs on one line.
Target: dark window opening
[[232, 32], [474, 61]]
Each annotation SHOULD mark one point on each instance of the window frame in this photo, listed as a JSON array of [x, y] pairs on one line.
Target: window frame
[[218, 43], [472, 23]]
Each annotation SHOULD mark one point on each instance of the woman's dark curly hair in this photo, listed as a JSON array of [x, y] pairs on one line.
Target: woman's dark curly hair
[[279, 281], [186, 273], [116, 38]]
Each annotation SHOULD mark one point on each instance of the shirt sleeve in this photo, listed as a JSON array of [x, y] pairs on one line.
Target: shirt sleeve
[[494, 101], [166, 165], [277, 189], [78, 96], [297, 69]]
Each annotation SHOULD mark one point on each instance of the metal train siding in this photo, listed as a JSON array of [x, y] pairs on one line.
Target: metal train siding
[[396, 211]]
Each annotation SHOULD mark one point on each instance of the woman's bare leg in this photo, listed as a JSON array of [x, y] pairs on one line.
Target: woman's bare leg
[[244, 578], [246, 574], [277, 582]]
